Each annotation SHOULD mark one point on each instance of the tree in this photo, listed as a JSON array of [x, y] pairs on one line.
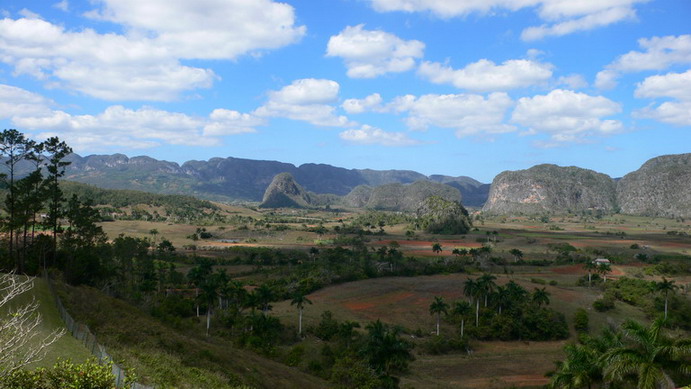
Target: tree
[[299, 300], [461, 309], [487, 285], [436, 248], [13, 149], [438, 307], [590, 266], [56, 151], [473, 291], [579, 369], [19, 327], [517, 254], [604, 269], [666, 286], [540, 296], [385, 351], [648, 356], [501, 296]]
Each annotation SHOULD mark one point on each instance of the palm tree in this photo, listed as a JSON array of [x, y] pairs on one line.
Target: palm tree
[[579, 369], [648, 355], [540, 296], [603, 269], [299, 301], [461, 309], [438, 307], [264, 295], [517, 254], [666, 286], [502, 295], [487, 285], [472, 290], [590, 266]]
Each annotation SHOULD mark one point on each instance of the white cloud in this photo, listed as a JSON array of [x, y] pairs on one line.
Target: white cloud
[[591, 20], [372, 102], [567, 116], [144, 63], [573, 81], [675, 85], [671, 85], [207, 29], [120, 126], [468, 114], [484, 75], [368, 135], [672, 112], [371, 53], [63, 5], [17, 102], [306, 100], [658, 53], [564, 16]]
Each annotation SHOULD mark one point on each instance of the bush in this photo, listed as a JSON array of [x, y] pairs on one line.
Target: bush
[[580, 320], [437, 345], [604, 304], [64, 374]]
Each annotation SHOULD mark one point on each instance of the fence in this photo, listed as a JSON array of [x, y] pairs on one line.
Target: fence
[[82, 333]]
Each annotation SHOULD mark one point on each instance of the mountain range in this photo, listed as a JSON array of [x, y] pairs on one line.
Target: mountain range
[[661, 187]]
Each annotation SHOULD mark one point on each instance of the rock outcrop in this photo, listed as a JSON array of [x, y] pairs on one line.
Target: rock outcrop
[[284, 192], [551, 189], [661, 187], [400, 197]]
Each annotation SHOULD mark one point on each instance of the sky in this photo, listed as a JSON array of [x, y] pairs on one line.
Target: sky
[[453, 87]]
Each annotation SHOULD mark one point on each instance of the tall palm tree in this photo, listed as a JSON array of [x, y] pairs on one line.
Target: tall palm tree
[[438, 307], [590, 267], [666, 286], [540, 296], [487, 285], [461, 309], [604, 269], [502, 296], [648, 355], [472, 290], [299, 300]]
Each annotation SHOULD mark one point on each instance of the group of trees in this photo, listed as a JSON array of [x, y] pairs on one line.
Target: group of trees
[[506, 312], [36, 191]]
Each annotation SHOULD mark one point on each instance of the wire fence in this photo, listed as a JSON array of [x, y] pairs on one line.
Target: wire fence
[[82, 333]]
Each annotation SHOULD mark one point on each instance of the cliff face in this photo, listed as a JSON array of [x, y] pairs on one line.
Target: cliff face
[[284, 192], [551, 188], [661, 187]]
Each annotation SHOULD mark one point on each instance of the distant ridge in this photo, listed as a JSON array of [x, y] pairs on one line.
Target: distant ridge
[[238, 179]]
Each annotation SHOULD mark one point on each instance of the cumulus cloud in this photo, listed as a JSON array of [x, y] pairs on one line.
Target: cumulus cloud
[[484, 75], [567, 116], [561, 17], [657, 53], [306, 100], [17, 102], [368, 135], [372, 102], [145, 63], [671, 85], [468, 114], [118, 125], [573, 81], [372, 53]]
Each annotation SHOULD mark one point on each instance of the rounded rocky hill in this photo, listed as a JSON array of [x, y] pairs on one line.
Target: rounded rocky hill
[[551, 189], [661, 187], [408, 197], [284, 192]]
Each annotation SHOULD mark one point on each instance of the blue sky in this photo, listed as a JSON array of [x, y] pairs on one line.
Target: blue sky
[[449, 87]]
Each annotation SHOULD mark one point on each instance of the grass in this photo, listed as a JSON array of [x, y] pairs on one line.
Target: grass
[[165, 357], [66, 347]]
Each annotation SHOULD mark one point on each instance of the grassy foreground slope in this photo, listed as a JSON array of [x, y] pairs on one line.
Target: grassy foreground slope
[[64, 348], [167, 358]]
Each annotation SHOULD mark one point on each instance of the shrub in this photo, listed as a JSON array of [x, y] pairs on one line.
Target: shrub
[[604, 304], [580, 320], [64, 374], [437, 345]]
